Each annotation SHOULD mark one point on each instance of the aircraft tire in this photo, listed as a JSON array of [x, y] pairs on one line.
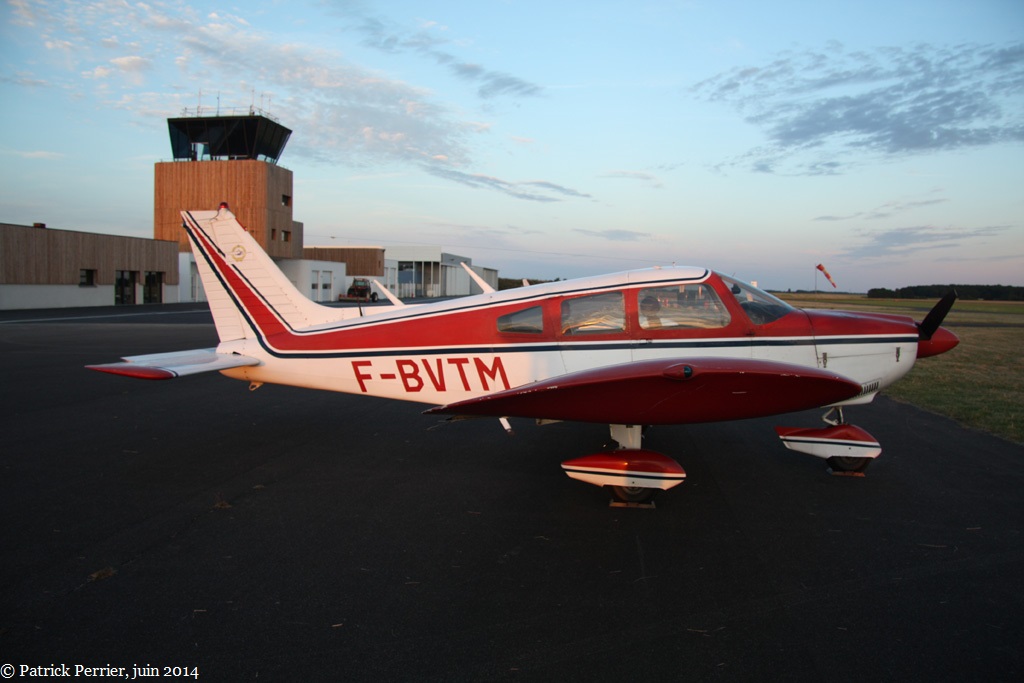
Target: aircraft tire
[[842, 463], [633, 494]]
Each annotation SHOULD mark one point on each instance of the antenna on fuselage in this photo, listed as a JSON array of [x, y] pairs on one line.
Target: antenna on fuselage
[[477, 279], [387, 292]]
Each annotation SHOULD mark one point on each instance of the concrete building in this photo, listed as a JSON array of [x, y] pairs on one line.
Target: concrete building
[[363, 262], [430, 272], [321, 281], [409, 272]]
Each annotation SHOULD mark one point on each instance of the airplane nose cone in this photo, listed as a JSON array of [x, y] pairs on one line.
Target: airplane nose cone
[[941, 341]]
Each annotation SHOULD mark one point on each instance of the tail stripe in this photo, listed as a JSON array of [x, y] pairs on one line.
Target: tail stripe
[[262, 319]]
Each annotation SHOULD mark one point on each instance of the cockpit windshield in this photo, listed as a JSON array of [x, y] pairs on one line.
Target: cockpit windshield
[[762, 308]]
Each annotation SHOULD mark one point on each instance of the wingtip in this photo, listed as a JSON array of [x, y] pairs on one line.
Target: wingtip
[[133, 370]]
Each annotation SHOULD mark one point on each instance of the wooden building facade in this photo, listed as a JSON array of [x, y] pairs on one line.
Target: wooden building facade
[[259, 194], [360, 261], [42, 267]]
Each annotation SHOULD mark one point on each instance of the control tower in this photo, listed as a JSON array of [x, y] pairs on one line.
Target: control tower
[[231, 159]]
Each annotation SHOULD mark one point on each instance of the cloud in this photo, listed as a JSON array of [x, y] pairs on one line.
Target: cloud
[[22, 12], [426, 41], [559, 189], [63, 45], [910, 241], [498, 235], [887, 210], [99, 72], [341, 112], [821, 109], [24, 80], [512, 189], [615, 235], [132, 63], [36, 154], [495, 83], [649, 179]]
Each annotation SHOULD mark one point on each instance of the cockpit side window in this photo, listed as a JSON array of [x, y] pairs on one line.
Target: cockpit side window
[[526, 321], [595, 314], [762, 308], [689, 306]]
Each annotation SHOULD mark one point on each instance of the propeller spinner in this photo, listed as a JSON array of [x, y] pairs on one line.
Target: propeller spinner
[[934, 339]]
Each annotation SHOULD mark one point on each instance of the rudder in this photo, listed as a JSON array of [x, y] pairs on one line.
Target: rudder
[[249, 296]]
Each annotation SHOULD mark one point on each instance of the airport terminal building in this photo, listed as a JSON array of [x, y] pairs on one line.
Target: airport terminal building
[[224, 158]]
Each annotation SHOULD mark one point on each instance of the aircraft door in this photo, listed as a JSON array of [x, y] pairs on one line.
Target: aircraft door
[[686, 320], [592, 331]]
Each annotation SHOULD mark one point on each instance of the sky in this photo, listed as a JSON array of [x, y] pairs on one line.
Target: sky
[[884, 140]]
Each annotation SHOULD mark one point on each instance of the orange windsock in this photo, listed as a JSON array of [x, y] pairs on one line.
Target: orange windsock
[[822, 269]]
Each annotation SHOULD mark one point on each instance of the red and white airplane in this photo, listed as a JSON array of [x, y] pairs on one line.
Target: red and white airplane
[[644, 347]]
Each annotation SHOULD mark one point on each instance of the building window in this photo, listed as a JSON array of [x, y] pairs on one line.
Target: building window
[[273, 234], [153, 289], [124, 287], [286, 235], [286, 200], [86, 278]]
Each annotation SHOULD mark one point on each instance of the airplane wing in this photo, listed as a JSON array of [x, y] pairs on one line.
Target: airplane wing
[[667, 391], [175, 364]]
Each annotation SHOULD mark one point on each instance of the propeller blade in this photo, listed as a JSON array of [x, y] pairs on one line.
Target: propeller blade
[[927, 327]]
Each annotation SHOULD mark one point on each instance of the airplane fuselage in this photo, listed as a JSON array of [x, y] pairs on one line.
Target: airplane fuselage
[[450, 351]]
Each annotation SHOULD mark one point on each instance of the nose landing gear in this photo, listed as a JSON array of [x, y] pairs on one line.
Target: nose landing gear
[[847, 448]]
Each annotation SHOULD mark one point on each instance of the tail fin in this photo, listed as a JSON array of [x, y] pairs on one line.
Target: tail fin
[[249, 295]]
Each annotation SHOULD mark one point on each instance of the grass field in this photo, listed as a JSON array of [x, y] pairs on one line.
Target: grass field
[[980, 383]]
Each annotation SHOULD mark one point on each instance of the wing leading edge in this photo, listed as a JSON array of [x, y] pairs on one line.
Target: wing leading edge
[[175, 364], [667, 391]]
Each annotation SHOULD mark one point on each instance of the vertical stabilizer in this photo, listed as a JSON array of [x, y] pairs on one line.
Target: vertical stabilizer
[[249, 295]]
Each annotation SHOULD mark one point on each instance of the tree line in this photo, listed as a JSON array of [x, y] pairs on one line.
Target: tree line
[[976, 292]]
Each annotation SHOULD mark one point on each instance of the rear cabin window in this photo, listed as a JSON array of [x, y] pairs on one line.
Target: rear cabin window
[[595, 314], [527, 321], [679, 306]]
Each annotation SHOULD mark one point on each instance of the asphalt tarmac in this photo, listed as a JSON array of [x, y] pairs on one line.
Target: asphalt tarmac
[[284, 534]]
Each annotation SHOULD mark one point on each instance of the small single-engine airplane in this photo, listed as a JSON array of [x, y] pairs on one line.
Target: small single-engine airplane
[[644, 347]]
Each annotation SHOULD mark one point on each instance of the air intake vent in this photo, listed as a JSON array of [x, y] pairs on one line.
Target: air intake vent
[[869, 387]]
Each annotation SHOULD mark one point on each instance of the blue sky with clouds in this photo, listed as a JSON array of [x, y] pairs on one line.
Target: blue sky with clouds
[[883, 139]]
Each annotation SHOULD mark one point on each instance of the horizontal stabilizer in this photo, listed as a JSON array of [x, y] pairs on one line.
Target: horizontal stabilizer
[[175, 364], [667, 391]]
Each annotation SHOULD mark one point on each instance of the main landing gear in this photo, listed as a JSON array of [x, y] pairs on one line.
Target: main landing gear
[[634, 474], [847, 448]]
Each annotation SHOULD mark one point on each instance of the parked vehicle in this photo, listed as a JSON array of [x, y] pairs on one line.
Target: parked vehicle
[[361, 289]]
